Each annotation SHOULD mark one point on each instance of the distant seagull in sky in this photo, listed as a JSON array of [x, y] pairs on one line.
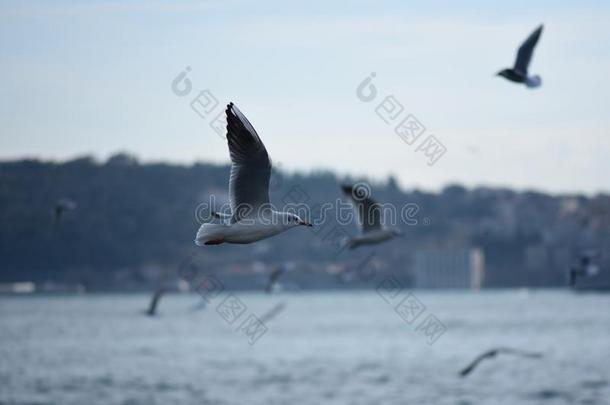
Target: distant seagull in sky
[[252, 217], [62, 206], [368, 213], [493, 353], [518, 73]]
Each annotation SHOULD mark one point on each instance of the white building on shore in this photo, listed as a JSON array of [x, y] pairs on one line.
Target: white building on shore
[[453, 268]]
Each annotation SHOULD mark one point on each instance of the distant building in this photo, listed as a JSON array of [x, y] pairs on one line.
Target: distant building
[[461, 268], [24, 287]]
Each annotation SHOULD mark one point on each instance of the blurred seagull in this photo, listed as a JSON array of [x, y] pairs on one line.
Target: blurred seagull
[[154, 301], [586, 267], [251, 218], [62, 206], [369, 218], [518, 73], [273, 279], [493, 353]]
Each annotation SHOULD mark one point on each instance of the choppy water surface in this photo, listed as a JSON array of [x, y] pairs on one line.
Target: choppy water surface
[[341, 348]]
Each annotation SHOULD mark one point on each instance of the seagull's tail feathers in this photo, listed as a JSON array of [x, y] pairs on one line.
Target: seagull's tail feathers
[[466, 371], [350, 243], [533, 81], [209, 233]]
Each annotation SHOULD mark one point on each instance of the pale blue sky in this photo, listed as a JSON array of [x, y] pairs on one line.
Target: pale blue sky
[[94, 77]]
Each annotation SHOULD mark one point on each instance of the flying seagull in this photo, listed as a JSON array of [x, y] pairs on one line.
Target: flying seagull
[[62, 206], [493, 353], [251, 218], [154, 301], [518, 73], [585, 268], [273, 279], [369, 218]]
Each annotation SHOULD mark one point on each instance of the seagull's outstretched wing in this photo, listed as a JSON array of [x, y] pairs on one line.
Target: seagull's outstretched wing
[[573, 273], [272, 313], [154, 301], [519, 352], [62, 206], [273, 277], [524, 54], [250, 166], [468, 369], [367, 209], [493, 352]]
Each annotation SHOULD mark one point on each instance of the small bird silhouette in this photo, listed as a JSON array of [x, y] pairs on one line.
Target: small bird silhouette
[[273, 279], [585, 268], [62, 206], [518, 73], [154, 301], [493, 353]]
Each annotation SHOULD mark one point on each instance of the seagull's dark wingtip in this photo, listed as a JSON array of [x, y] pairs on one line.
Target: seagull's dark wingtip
[[347, 189]]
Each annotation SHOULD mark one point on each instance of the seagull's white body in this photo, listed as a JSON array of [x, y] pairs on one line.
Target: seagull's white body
[[251, 217], [533, 81], [247, 230]]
